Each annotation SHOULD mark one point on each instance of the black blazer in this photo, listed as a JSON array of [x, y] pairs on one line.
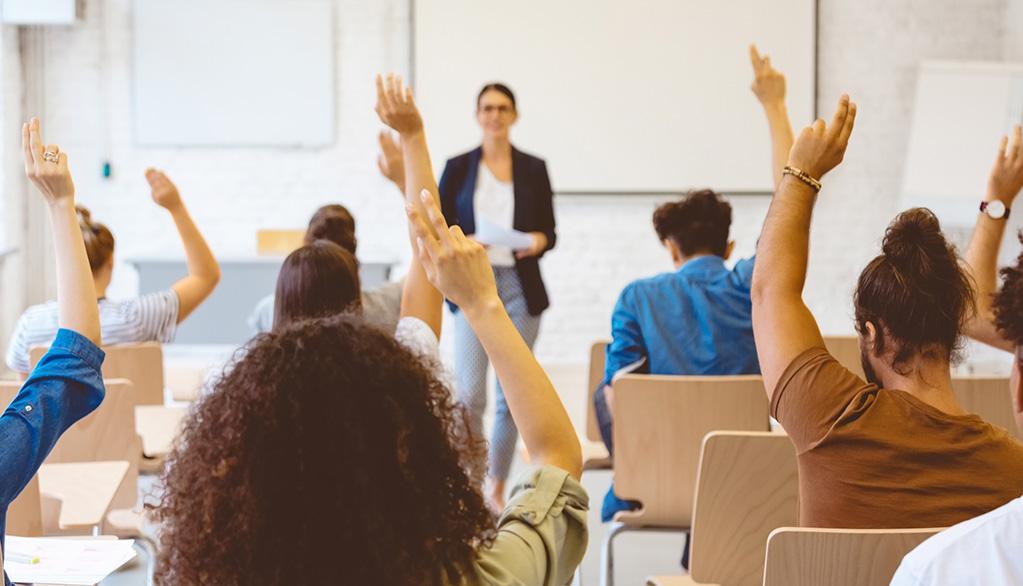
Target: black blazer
[[534, 210]]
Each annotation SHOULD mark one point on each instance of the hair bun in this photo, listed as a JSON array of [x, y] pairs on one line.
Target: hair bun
[[84, 215], [915, 232]]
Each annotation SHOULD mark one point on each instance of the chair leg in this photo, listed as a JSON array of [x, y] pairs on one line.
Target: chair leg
[[607, 567]]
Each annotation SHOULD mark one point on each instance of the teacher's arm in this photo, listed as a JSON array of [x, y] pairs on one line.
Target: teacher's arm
[[544, 238]]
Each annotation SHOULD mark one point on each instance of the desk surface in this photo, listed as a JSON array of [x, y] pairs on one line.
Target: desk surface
[[158, 426], [85, 489]]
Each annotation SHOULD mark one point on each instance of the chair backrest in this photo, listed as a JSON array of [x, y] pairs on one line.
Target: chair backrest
[[598, 357], [279, 242], [838, 557], [659, 425], [989, 397], [846, 350], [747, 487], [140, 363], [107, 434]]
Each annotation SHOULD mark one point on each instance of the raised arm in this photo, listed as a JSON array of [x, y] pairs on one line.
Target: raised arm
[[47, 169], [769, 87], [1003, 186], [203, 269], [459, 267], [391, 161], [398, 110], [782, 325]]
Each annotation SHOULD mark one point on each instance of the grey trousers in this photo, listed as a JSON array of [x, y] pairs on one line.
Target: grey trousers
[[471, 365]]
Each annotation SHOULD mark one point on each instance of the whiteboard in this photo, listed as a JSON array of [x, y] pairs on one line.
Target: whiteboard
[[638, 96], [961, 111], [233, 73]]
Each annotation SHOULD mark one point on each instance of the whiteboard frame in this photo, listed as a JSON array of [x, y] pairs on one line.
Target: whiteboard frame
[[814, 102]]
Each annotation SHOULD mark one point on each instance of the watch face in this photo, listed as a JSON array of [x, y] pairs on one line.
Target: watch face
[[995, 209]]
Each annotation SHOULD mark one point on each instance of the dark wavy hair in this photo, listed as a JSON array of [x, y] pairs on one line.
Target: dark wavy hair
[[335, 223], [698, 223], [915, 291], [1008, 302], [327, 453], [316, 280]]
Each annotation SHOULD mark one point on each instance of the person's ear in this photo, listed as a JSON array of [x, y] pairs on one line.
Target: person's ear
[[514, 117], [1016, 388], [729, 248], [870, 335], [676, 254]]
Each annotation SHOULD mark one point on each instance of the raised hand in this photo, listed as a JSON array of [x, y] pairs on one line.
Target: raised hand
[[820, 148], [396, 107], [45, 166], [390, 160], [768, 83], [457, 266], [164, 192], [1006, 179]]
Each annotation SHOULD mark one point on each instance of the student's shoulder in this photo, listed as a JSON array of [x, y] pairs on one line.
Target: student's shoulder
[[644, 287]]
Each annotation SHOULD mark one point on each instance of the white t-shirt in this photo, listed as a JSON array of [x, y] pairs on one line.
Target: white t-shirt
[[984, 551], [148, 318], [495, 201]]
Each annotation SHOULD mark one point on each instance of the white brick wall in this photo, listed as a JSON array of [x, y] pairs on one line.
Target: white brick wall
[[868, 48]]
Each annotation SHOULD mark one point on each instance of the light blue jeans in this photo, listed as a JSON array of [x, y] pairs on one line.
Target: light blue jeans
[[471, 366]]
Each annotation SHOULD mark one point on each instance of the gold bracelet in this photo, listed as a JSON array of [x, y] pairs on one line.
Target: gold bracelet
[[803, 176]]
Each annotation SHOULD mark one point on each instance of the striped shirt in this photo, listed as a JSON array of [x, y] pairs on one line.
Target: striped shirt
[[150, 317]]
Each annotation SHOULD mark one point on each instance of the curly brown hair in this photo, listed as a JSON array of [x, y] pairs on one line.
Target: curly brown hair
[[697, 223], [1007, 303], [326, 453]]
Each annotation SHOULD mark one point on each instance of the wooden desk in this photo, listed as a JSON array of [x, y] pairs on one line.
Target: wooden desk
[[222, 319], [85, 489], [158, 426]]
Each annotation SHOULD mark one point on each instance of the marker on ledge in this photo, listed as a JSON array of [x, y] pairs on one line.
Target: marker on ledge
[[21, 558]]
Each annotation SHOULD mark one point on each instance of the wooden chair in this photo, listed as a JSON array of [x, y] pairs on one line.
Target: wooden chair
[[660, 422], [838, 557], [989, 397], [595, 456], [748, 486], [140, 363], [278, 242], [846, 349]]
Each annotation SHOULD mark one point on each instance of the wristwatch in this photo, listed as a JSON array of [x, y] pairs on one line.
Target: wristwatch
[[995, 209]]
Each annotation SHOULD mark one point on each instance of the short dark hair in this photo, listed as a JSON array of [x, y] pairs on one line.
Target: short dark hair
[[1008, 302], [915, 292], [316, 280], [497, 87], [335, 223], [699, 222]]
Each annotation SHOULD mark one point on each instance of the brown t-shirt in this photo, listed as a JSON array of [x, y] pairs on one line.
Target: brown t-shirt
[[881, 458]]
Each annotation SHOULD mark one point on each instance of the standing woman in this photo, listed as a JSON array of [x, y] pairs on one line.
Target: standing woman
[[511, 190]]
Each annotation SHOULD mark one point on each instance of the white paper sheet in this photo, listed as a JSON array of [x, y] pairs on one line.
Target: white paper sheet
[[77, 562], [491, 234]]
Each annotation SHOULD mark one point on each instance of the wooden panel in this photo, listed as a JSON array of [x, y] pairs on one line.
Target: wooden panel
[[140, 363], [598, 358], [748, 486], [846, 350], [660, 422], [86, 490], [838, 557], [989, 397], [279, 242], [159, 426]]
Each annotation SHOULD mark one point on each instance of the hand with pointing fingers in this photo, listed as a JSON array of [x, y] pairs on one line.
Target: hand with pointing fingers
[[820, 148], [46, 166], [457, 266], [396, 107], [1006, 179], [768, 83]]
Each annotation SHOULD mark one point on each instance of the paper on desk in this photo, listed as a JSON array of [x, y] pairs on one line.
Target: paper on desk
[[77, 562], [491, 234]]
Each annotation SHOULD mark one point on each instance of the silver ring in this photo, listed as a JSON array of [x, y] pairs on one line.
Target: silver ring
[[51, 157]]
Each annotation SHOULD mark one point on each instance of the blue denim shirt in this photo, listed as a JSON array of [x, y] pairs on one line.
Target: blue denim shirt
[[64, 387], [693, 321]]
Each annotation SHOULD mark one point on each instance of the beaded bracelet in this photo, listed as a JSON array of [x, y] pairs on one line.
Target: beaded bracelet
[[803, 176]]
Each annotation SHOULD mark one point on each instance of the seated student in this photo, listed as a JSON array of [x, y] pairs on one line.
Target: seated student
[[316, 280], [150, 317], [896, 450], [333, 453], [380, 305], [694, 320], [986, 550], [66, 385]]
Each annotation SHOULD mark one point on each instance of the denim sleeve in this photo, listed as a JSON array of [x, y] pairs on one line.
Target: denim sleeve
[[65, 386], [626, 347]]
